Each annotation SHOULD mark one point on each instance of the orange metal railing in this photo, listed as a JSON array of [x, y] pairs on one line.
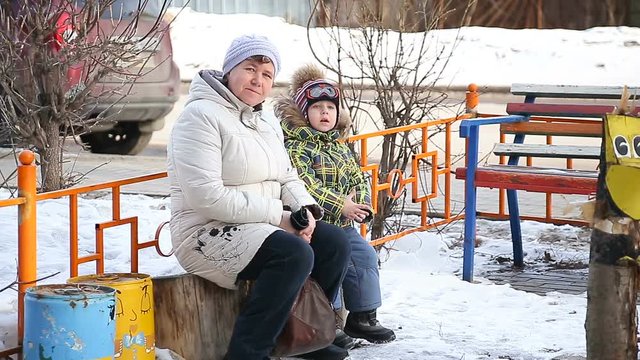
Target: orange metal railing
[[413, 179], [28, 198], [471, 105], [27, 225]]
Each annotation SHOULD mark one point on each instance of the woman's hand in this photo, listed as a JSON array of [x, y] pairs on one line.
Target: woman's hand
[[354, 211], [285, 223], [307, 232]]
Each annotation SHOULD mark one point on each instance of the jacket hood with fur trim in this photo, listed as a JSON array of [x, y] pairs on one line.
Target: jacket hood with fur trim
[[288, 112]]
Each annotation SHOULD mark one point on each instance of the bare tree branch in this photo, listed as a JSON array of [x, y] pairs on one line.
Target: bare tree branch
[[61, 61], [401, 67]]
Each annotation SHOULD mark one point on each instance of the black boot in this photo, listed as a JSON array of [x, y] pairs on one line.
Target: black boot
[[365, 325], [331, 352], [343, 340]]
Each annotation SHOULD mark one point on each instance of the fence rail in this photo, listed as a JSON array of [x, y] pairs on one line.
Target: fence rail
[[293, 11], [27, 221], [437, 169]]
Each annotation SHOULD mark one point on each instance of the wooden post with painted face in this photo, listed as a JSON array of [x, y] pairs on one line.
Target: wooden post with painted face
[[610, 325]]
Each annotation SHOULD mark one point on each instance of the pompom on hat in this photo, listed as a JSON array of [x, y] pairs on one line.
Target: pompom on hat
[[246, 46]]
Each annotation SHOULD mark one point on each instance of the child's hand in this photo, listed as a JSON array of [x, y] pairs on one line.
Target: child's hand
[[354, 211]]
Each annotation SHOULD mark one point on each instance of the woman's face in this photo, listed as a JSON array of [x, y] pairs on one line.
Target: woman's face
[[322, 115], [251, 81]]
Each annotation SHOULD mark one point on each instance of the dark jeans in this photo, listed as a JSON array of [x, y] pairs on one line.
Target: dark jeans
[[279, 269]]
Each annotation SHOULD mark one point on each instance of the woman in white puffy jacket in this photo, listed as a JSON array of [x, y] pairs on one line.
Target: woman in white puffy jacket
[[238, 208]]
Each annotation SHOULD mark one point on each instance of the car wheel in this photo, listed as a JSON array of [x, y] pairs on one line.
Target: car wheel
[[123, 139]]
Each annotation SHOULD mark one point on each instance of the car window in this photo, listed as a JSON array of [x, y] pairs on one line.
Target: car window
[[124, 9]]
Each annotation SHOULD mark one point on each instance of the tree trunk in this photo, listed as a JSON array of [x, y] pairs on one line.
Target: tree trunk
[[610, 325], [611, 302], [377, 226], [51, 160]]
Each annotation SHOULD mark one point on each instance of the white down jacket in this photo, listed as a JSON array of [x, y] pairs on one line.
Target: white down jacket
[[230, 176]]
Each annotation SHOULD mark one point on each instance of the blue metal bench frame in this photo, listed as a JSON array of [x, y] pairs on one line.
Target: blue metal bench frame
[[470, 129]]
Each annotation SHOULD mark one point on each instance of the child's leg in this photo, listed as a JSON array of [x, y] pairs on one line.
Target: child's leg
[[361, 285]]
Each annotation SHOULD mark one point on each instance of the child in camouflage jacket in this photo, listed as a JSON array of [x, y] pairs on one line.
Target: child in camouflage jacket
[[313, 125]]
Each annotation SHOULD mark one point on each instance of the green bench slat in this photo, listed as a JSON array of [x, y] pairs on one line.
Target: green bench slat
[[548, 151]]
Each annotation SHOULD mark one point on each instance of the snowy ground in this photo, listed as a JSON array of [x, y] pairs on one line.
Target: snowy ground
[[435, 314]]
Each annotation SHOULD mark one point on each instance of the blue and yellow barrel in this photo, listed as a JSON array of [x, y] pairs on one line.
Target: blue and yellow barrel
[[135, 326], [69, 321]]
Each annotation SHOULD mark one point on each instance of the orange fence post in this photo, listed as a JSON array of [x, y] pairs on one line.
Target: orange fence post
[[472, 99], [26, 232]]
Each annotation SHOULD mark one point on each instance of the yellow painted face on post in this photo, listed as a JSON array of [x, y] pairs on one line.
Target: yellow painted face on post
[[622, 154]]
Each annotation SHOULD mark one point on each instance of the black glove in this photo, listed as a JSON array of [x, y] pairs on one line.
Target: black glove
[[300, 219]]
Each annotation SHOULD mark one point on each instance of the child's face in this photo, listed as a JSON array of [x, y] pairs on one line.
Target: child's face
[[322, 115]]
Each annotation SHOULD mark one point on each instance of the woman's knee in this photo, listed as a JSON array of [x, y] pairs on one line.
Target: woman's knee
[[302, 256], [296, 252], [332, 239]]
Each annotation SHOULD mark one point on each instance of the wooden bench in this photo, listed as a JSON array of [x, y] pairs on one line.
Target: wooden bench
[[573, 121]]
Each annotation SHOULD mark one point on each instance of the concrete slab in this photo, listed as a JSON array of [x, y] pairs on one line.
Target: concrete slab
[[542, 282]]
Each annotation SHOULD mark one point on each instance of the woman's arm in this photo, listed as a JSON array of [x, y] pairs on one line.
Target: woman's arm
[[294, 193], [196, 154]]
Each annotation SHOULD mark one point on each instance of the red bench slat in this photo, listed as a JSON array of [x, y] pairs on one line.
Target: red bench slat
[[519, 178], [570, 110]]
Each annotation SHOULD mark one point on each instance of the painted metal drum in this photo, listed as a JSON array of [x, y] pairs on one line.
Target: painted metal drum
[[69, 321], [135, 331]]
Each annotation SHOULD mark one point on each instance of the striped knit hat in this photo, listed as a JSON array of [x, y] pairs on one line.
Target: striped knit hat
[[317, 90]]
